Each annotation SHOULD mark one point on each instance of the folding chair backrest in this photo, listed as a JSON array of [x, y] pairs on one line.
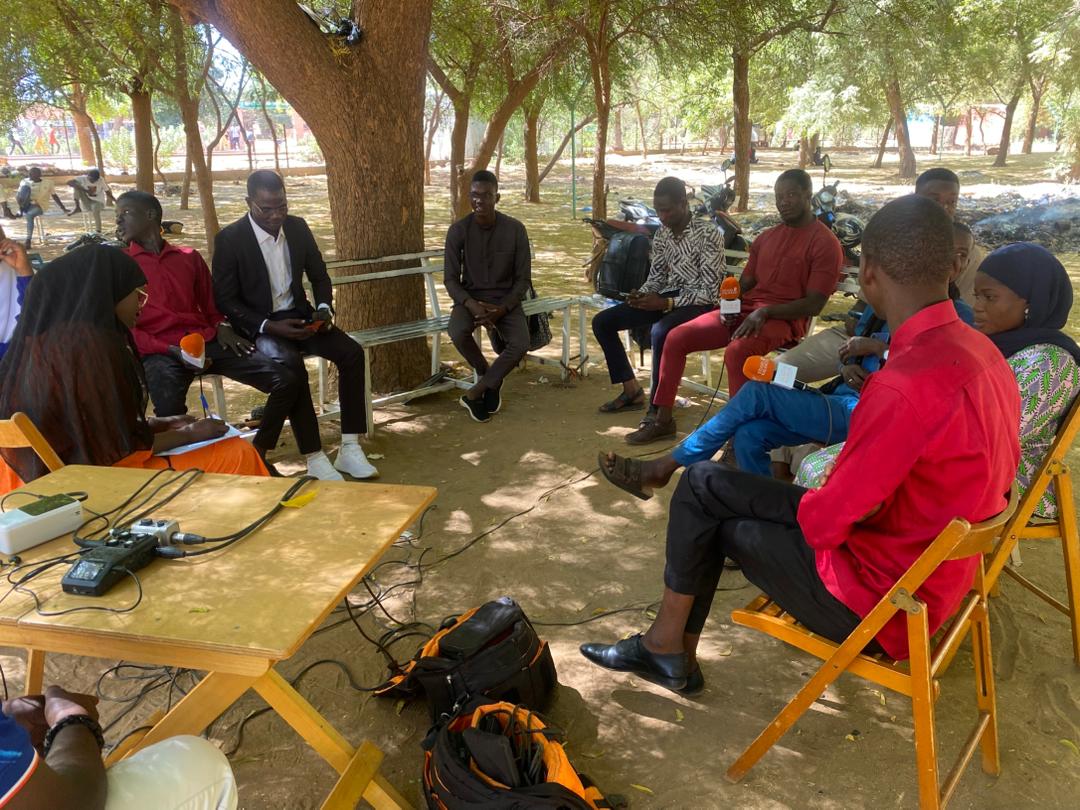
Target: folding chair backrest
[[981, 537], [20, 431]]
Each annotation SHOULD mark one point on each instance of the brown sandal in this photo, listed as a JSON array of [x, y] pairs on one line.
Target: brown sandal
[[625, 474], [624, 403]]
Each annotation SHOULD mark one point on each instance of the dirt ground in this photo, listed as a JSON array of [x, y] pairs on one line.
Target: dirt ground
[[569, 546]]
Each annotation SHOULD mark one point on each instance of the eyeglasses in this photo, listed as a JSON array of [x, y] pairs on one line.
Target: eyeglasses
[[144, 296], [266, 211]]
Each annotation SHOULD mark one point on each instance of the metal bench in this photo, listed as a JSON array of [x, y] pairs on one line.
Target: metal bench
[[434, 327]]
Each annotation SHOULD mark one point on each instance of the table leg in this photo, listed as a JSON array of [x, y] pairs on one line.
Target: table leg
[[323, 737], [199, 708], [35, 671]]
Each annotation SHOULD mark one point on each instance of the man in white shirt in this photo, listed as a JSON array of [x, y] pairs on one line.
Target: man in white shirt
[[91, 193], [33, 198], [259, 266]]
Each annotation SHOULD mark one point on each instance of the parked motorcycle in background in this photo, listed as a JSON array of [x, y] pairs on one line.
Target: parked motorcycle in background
[[847, 227]]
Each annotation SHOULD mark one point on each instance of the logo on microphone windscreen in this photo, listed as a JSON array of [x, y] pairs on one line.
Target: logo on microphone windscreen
[[759, 368]]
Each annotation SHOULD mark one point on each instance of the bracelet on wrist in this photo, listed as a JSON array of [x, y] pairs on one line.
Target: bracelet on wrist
[[74, 720]]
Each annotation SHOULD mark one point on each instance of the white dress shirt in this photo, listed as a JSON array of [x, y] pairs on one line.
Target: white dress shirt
[[275, 251]]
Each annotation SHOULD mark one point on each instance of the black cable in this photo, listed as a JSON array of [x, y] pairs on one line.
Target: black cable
[[102, 608]]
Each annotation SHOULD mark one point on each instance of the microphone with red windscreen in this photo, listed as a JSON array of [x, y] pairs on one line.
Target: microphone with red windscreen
[[193, 350], [762, 369], [730, 292]]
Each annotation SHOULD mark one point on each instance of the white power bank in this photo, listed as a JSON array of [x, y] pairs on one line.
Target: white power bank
[[38, 522]]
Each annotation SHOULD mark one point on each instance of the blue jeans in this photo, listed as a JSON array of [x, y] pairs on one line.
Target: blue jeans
[[31, 214], [763, 416], [609, 322]]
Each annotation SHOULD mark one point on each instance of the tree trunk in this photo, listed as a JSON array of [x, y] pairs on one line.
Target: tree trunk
[[641, 129], [144, 137], [157, 154], [600, 66], [1006, 129], [433, 128], [459, 133], [1037, 90], [189, 114], [100, 157], [616, 132], [83, 125], [740, 97], [185, 184], [968, 125], [373, 141], [532, 158], [881, 147], [934, 135], [804, 152], [903, 141], [188, 101]]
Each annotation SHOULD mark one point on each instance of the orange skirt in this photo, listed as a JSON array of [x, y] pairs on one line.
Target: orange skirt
[[230, 457]]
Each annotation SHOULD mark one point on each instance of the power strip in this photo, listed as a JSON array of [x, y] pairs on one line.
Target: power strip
[[38, 522]]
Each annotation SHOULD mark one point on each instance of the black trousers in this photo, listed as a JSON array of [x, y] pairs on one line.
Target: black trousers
[[341, 350], [168, 380], [717, 512], [510, 338]]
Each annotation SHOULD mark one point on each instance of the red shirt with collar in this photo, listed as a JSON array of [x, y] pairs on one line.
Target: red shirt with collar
[[935, 436], [181, 298]]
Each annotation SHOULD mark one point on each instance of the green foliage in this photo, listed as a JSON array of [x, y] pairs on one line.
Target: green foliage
[[309, 150], [119, 151]]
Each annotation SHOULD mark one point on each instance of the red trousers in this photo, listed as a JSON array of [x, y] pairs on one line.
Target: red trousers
[[707, 332]]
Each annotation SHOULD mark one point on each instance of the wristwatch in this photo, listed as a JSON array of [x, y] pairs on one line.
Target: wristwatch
[[74, 720]]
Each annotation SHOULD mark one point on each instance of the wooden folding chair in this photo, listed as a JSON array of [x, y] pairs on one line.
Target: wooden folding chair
[[918, 678], [20, 431], [1024, 526]]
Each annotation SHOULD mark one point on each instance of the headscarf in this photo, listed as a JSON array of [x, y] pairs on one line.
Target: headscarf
[[9, 302], [1034, 274], [71, 366]]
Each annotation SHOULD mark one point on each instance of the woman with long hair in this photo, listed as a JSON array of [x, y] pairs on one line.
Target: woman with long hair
[[72, 368]]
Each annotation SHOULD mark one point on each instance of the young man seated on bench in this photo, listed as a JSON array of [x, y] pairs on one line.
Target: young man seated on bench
[[179, 302], [687, 263], [793, 269], [259, 266], [934, 438], [50, 757], [488, 272]]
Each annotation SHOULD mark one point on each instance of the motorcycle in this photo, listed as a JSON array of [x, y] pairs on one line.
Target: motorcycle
[[847, 227]]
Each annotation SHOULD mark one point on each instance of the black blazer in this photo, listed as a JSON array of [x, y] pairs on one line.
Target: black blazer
[[242, 281]]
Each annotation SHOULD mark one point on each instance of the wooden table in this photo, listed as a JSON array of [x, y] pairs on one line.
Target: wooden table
[[233, 614]]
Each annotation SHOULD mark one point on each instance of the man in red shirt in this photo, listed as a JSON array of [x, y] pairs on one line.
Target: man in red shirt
[[180, 301], [937, 425], [793, 269]]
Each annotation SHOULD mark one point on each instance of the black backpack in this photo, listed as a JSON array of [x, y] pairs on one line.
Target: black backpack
[[500, 756], [491, 651], [625, 266]]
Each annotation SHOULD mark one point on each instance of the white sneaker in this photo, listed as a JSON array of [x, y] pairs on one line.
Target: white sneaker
[[352, 461], [320, 467]]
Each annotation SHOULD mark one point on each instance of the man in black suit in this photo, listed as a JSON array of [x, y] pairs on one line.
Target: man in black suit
[[259, 265]]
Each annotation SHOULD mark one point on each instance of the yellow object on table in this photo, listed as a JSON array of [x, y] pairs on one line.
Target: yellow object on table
[[233, 614]]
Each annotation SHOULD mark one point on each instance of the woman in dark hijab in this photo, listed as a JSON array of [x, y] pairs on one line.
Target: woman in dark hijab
[[72, 369], [1023, 296]]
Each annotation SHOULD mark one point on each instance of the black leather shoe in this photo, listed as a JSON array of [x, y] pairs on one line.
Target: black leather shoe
[[629, 655], [695, 683]]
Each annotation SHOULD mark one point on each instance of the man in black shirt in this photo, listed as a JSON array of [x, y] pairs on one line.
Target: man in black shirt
[[487, 273]]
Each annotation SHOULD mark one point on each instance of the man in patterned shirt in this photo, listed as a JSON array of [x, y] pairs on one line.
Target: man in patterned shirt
[[683, 283]]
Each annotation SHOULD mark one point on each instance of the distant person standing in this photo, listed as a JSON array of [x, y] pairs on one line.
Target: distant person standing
[[54, 142], [488, 272], [15, 142], [234, 137], [33, 198], [91, 193]]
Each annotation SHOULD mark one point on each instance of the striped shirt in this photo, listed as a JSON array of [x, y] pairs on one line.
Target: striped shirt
[[691, 262]]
